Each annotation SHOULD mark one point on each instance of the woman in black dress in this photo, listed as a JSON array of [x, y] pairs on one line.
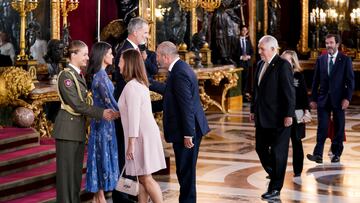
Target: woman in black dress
[[302, 112]]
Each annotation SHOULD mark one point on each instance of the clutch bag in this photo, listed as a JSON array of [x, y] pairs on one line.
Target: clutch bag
[[299, 114], [127, 185]]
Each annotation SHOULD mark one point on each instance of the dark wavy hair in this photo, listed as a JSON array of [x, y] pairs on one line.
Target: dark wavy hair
[[97, 54]]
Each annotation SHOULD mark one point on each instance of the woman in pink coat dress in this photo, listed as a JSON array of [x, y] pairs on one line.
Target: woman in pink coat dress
[[144, 150]]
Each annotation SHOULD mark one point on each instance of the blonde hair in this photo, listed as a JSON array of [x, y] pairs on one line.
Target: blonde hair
[[134, 67], [294, 60]]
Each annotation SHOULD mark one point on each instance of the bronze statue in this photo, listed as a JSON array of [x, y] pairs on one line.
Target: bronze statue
[[127, 9], [55, 52], [30, 36], [65, 39], [226, 23], [274, 18], [174, 24], [197, 41]]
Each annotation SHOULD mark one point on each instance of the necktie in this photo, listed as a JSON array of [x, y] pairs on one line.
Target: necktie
[[262, 72], [243, 46], [331, 65], [82, 74]]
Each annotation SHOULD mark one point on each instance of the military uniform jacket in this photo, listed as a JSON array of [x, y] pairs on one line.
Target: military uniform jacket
[[68, 126]]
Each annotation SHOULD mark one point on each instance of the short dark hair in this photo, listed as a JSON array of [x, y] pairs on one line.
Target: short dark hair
[[336, 37], [242, 26]]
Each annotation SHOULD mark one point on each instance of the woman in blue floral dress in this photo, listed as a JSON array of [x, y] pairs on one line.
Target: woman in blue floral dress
[[102, 163]]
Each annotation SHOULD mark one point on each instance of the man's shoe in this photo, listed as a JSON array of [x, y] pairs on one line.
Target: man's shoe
[[335, 159], [318, 159], [272, 194]]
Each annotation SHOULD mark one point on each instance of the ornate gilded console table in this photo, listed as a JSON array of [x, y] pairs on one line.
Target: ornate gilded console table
[[43, 92], [215, 74]]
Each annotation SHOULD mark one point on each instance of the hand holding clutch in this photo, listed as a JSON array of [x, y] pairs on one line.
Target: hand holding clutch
[[307, 117]]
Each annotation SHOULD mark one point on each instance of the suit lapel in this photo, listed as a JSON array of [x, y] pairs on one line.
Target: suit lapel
[[325, 65], [170, 76], [260, 65], [338, 62], [247, 45], [269, 68]]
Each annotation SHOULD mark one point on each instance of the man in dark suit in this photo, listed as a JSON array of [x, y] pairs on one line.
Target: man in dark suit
[[138, 34], [242, 57], [272, 109], [138, 30], [183, 117], [332, 89]]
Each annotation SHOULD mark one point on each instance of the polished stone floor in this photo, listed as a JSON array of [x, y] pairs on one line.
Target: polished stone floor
[[229, 170]]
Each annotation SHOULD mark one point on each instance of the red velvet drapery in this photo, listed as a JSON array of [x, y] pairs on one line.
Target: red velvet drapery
[[83, 19]]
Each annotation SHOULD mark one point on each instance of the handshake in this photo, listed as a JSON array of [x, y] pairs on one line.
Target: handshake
[[110, 114]]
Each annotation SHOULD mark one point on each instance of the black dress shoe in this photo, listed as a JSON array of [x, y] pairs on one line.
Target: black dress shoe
[[272, 194], [318, 159], [335, 159]]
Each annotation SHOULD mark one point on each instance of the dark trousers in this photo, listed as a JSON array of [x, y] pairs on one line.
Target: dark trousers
[[244, 76], [186, 169], [69, 164], [297, 147], [323, 126], [272, 146]]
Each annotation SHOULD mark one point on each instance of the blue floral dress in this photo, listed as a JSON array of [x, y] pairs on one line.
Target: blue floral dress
[[102, 163]]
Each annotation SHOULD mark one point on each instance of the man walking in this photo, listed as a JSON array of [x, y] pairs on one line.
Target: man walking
[[272, 109], [332, 89]]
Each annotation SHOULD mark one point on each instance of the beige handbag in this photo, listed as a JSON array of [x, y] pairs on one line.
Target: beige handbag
[[127, 185]]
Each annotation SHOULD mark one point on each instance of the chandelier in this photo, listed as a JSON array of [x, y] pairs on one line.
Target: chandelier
[[355, 16], [317, 16], [189, 4], [210, 5]]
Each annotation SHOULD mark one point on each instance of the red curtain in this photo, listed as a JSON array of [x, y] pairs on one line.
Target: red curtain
[[83, 19]]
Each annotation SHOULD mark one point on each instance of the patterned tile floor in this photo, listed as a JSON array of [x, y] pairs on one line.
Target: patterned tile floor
[[229, 170]]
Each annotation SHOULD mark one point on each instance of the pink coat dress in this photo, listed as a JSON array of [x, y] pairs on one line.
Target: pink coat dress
[[138, 121]]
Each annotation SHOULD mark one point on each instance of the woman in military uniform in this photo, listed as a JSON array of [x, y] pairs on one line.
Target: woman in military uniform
[[69, 128]]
